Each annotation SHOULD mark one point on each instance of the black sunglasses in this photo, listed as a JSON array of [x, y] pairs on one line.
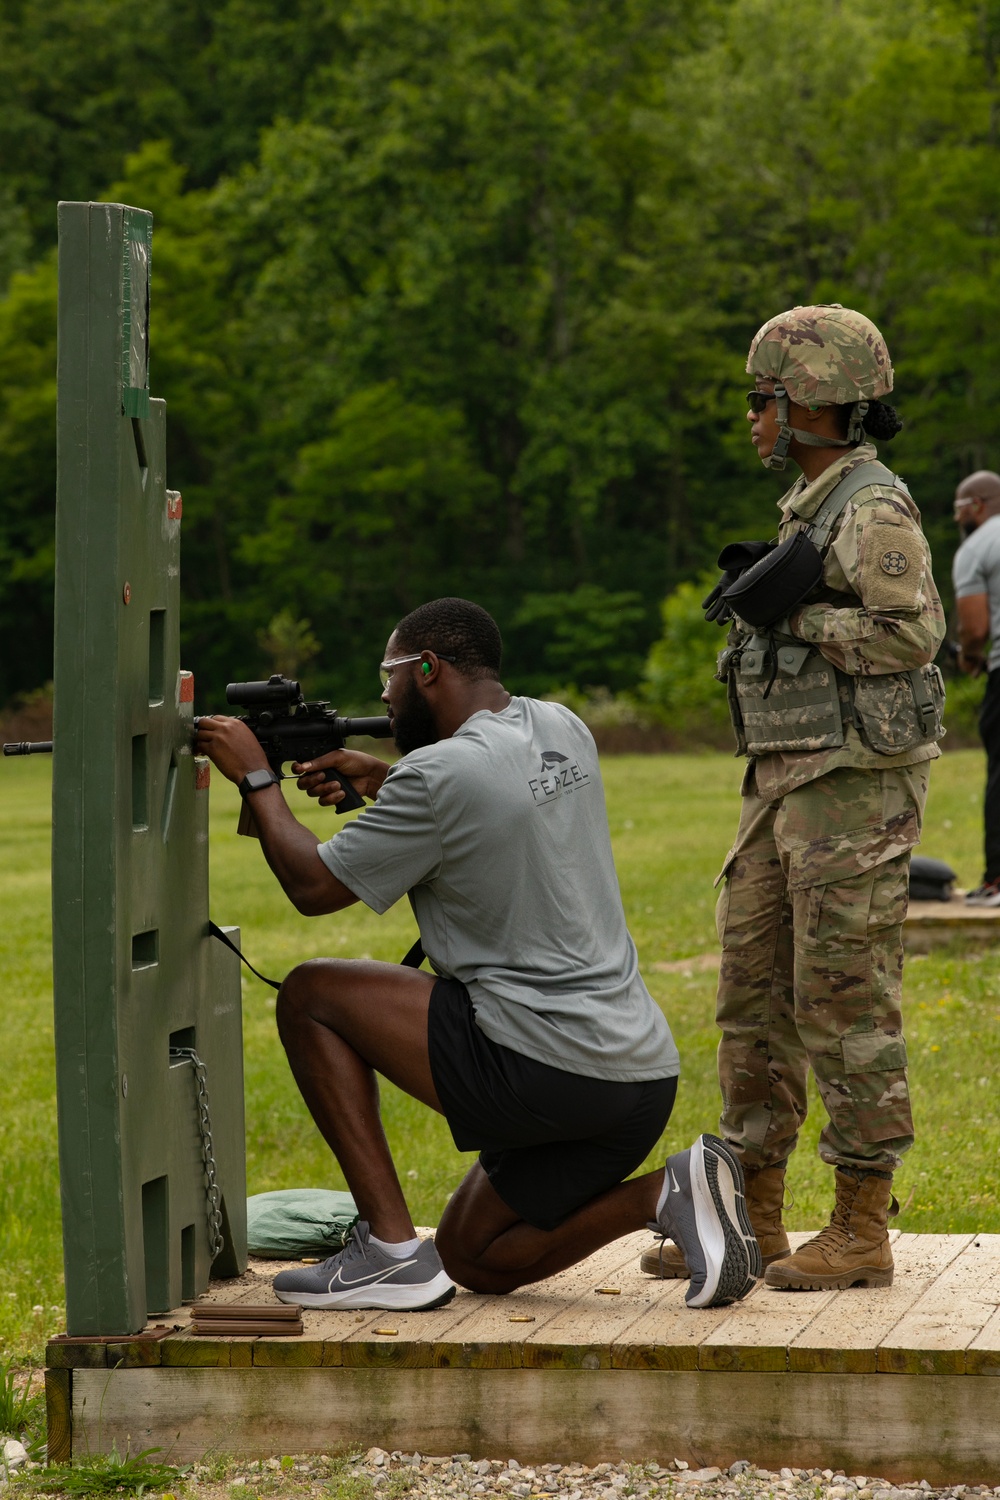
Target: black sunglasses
[[757, 400]]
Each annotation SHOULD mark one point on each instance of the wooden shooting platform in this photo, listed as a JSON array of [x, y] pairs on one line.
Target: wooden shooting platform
[[928, 924], [597, 1363]]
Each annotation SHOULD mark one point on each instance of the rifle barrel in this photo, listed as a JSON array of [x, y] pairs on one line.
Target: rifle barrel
[[377, 727], [28, 747]]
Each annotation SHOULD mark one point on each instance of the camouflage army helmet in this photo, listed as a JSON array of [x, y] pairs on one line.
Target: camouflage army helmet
[[824, 355]]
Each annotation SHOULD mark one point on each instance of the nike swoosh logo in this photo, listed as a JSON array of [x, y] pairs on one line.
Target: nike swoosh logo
[[676, 1185], [367, 1280]]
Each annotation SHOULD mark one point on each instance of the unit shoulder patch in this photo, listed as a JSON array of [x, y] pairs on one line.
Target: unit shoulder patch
[[892, 565]]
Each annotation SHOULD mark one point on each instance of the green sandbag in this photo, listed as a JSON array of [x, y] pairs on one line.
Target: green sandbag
[[298, 1221]]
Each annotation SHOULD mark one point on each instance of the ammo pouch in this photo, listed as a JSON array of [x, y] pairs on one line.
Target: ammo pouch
[[899, 710], [783, 695], [787, 696]]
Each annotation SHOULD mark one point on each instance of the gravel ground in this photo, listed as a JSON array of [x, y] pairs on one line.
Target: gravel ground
[[389, 1476]]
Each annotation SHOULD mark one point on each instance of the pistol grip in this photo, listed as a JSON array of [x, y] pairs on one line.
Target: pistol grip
[[352, 799]]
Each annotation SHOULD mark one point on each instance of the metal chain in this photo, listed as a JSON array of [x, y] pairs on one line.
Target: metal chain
[[213, 1199]]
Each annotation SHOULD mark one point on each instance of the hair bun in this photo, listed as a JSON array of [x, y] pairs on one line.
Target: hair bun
[[882, 421]]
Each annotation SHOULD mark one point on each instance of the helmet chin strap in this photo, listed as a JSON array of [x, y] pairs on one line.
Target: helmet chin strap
[[778, 456]]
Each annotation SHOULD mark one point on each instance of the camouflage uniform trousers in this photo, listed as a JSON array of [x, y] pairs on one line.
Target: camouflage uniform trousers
[[810, 918]]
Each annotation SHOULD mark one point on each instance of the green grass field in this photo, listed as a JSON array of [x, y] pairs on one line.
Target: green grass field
[[672, 819]]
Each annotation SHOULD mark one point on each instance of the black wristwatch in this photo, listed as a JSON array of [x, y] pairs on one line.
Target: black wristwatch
[[255, 781]]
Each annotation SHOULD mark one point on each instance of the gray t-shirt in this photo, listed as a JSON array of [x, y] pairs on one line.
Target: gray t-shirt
[[499, 836], [976, 570]]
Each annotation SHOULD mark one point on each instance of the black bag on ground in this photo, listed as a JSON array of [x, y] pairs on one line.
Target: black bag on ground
[[931, 879], [776, 583]]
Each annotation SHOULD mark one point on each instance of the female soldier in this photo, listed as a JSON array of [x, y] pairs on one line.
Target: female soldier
[[837, 706]]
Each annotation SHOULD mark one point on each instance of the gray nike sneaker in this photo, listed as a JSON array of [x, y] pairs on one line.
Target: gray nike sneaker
[[362, 1275], [705, 1214]]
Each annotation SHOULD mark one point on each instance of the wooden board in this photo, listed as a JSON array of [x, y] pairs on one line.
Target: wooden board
[[933, 1426], [58, 1415], [933, 1335], [613, 1294], [844, 1335]]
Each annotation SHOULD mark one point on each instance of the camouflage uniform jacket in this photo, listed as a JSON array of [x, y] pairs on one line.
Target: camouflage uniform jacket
[[864, 619]]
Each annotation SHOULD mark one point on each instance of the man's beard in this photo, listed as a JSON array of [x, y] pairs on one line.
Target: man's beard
[[966, 528], [413, 723]]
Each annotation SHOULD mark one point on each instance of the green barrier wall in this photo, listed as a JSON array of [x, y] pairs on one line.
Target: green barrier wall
[[136, 974]]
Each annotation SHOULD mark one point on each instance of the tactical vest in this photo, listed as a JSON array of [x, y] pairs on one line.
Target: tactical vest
[[785, 695]]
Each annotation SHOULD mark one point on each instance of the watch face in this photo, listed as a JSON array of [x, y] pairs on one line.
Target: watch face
[[255, 781]]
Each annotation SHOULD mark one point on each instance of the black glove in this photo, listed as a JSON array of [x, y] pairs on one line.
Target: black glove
[[734, 559], [716, 608]]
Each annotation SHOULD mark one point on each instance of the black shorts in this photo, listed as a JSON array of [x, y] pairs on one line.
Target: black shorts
[[549, 1141]]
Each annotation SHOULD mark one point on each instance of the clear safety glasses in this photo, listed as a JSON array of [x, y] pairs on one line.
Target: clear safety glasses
[[386, 668]]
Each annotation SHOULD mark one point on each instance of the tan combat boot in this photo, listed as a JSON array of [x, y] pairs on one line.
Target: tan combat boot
[[853, 1249], [765, 1190]]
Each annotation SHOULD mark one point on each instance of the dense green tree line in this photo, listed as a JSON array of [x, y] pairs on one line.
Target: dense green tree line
[[456, 298]]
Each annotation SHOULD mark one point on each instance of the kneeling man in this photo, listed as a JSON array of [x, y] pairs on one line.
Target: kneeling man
[[535, 1036]]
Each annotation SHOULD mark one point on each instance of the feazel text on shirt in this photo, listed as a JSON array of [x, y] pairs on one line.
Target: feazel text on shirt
[[558, 774]]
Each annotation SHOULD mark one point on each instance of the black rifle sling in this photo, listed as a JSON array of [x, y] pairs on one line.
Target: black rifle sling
[[414, 958], [217, 932]]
